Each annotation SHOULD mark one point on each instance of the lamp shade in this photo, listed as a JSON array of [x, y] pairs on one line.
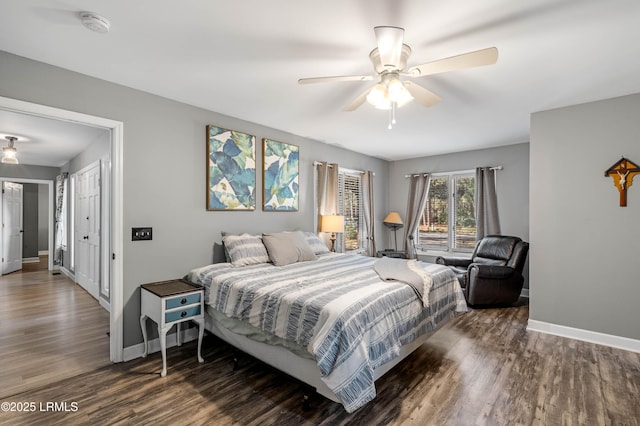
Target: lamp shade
[[332, 223], [393, 220]]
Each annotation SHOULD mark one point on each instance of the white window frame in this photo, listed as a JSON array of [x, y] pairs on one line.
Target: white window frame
[[342, 172], [451, 219]]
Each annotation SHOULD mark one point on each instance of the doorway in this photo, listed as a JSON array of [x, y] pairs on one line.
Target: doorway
[[112, 243]]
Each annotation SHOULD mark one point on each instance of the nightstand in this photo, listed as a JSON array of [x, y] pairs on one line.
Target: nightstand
[[168, 303], [392, 253]]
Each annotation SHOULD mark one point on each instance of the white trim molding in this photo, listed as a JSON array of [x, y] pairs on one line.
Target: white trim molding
[[610, 340]]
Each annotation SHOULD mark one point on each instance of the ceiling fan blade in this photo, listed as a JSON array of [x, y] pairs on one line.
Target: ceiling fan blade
[[477, 58], [355, 104], [335, 78], [422, 95], [389, 41]]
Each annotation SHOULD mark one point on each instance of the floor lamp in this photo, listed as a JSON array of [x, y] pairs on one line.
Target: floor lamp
[[394, 221]]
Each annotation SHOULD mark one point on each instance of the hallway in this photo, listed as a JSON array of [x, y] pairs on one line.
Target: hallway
[[50, 329]]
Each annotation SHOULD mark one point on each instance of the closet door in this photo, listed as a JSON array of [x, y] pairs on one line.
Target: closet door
[[88, 229]]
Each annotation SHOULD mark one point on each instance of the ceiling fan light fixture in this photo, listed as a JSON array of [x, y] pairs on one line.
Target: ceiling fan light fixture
[[378, 95], [404, 97], [395, 88]]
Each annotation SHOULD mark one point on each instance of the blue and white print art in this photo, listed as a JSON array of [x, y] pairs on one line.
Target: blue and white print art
[[231, 170], [280, 176]]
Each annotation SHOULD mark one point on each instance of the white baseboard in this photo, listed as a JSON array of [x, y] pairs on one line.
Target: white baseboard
[[105, 304], [524, 293], [585, 335], [136, 351], [43, 253], [68, 273], [30, 259]]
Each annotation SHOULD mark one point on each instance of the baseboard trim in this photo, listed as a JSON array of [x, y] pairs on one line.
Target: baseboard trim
[[610, 340], [105, 304], [30, 259], [43, 253], [136, 351], [524, 293], [67, 273]]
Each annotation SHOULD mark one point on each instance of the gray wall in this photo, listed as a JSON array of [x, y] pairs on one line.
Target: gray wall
[[166, 190], [21, 170], [512, 183], [584, 247], [100, 147], [29, 220]]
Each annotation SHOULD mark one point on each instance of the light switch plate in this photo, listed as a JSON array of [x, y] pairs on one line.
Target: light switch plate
[[141, 234]]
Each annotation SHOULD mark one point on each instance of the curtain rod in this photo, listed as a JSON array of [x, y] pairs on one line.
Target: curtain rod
[[317, 163], [451, 173]]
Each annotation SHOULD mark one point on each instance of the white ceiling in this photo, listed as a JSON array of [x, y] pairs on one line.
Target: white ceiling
[[244, 59], [46, 142]]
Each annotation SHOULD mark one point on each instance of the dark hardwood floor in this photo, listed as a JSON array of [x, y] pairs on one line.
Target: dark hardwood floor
[[483, 368], [50, 329]]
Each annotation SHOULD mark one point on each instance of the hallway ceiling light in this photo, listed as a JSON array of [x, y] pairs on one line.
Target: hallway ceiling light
[[9, 152]]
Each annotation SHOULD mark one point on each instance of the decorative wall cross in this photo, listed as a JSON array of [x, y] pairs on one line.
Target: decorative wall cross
[[622, 173]]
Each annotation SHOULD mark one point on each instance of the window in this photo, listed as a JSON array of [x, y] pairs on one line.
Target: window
[[448, 222], [349, 205]]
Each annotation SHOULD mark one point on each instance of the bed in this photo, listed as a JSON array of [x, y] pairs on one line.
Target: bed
[[327, 319]]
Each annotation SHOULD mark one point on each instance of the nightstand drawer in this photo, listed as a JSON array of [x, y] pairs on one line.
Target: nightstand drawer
[[189, 299], [189, 312]]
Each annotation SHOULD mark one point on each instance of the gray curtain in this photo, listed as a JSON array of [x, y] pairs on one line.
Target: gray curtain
[[326, 193], [368, 212], [487, 218], [60, 216], [418, 192]]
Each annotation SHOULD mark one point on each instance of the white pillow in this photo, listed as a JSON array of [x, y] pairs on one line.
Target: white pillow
[[316, 244], [245, 249]]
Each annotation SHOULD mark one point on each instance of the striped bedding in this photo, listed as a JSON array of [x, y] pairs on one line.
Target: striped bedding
[[338, 308]]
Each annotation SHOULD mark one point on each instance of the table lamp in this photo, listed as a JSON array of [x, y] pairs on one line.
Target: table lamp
[[332, 223]]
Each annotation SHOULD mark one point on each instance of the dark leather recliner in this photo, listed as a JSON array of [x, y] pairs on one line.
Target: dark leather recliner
[[493, 275]]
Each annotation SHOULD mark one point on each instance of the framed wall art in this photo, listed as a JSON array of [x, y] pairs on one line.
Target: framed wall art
[[280, 176], [231, 170]]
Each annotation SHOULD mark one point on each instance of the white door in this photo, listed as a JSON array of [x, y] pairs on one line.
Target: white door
[[11, 227], [87, 229]]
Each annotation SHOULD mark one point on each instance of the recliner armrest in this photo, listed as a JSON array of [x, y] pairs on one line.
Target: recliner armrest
[[453, 261], [495, 272]]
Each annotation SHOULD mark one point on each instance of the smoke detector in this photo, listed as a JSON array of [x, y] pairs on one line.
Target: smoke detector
[[95, 22]]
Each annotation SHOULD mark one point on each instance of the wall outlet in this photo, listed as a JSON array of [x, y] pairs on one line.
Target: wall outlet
[[141, 234]]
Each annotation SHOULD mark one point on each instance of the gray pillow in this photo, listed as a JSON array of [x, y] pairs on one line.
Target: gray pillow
[[316, 244], [285, 248], [245, 249]]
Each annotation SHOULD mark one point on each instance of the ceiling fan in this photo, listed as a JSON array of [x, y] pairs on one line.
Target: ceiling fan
[[389, 60]]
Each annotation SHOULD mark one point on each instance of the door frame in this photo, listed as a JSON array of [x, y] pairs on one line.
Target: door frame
[[116, 324]]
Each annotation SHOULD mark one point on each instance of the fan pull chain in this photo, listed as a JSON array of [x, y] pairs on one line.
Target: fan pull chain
[[392, 116]]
